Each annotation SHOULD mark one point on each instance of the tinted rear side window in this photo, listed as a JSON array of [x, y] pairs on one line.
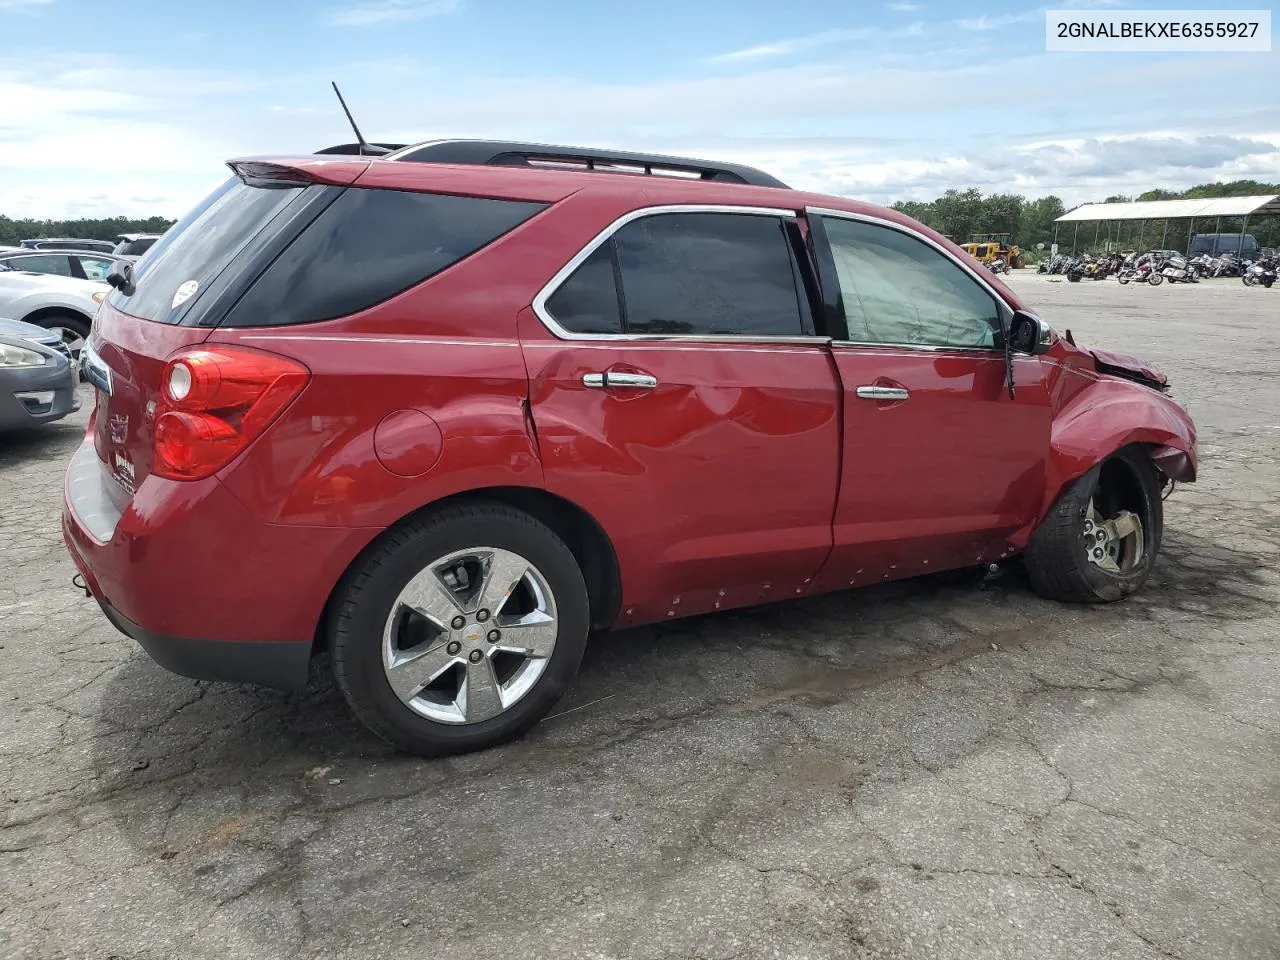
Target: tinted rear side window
[[370, 245], [708, 273], [588, 301], [198, 248], [699, 274]]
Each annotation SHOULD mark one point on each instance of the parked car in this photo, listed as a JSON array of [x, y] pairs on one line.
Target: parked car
[[69, 243], [63, 305], [135, 244], [38, 378], [442, 420], [70, 263]]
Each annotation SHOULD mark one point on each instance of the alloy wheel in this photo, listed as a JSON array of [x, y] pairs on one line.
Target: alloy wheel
[[470, 635]]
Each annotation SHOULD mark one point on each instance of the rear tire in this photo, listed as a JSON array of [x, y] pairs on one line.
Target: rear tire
[[435, 668], [1071, 556]]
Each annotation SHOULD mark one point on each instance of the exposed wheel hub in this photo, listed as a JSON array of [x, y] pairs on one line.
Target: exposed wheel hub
[[1115, 544]]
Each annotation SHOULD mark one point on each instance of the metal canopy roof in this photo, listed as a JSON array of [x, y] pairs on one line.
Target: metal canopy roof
[[1175, 209]]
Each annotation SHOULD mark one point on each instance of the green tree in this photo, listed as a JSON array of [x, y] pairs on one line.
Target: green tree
[[1001, 213], [1037, 221], [958, 213], [916, 210], [107, 228]]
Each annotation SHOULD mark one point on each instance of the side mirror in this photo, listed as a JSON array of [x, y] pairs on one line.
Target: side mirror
[[121, 277], [1029, 334]]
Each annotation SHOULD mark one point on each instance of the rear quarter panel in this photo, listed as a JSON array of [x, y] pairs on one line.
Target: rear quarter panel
[[446, 349]]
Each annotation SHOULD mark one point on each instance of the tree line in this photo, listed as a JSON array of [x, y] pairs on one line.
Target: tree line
[[960, 214], [957, 214], [12, 232]]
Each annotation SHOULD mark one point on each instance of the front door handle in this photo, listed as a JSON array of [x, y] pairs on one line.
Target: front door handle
[[610, 379], [883, 393]]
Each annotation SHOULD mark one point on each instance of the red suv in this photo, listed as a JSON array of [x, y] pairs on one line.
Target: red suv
[[444, 419]]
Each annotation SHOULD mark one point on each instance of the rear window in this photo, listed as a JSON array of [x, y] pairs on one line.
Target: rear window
[[369, 245], [199, 247], [135, 248]]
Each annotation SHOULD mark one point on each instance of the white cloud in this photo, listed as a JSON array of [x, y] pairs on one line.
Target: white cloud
[[98, 135], [22, 5], [1005, 20], [783, 48], [1077, 169], [390, 11], [903, 7]]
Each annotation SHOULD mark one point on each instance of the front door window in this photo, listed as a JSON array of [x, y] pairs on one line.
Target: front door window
[[899, 290]]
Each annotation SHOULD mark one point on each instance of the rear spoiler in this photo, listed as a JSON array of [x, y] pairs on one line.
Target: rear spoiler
[[298, 171]]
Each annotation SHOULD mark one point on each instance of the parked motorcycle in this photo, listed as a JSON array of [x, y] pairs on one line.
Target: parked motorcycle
[[1092, 268], [1138, 270], [1261, 273], [1174, 269]]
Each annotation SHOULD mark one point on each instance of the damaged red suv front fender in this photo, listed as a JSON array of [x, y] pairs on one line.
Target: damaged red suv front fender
[[1103, 416]]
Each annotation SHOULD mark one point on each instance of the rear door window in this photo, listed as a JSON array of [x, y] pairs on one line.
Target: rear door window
[[690, 274], [369, 245], [588, 302]]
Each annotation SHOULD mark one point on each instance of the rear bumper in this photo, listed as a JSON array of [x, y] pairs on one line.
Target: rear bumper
[[281, 665], [206, 588]]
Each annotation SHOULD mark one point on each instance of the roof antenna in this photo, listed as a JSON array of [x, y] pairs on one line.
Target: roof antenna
[[365, 146]]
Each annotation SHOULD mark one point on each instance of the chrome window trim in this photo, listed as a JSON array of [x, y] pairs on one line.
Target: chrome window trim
[[1002, 307], [926, 347], [551, 286]]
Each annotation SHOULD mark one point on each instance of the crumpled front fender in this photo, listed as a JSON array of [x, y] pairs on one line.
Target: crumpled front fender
[[1103, 418]]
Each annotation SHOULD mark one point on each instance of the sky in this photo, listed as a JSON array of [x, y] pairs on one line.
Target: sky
[[133, 108]]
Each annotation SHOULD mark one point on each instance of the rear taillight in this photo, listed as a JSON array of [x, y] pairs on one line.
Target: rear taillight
[[213, 402]]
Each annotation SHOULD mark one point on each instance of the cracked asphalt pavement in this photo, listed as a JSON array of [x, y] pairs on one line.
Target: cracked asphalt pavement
[[928, 769]]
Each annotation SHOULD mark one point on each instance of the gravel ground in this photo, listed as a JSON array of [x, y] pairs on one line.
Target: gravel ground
[[915, 771]]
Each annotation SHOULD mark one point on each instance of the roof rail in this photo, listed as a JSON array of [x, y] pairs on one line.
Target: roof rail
[[507, 154]]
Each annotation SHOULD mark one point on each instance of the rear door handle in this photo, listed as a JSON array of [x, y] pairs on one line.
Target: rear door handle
[[883, 393], [610, 379]]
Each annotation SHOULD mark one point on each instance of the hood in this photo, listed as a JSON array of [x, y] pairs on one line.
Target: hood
[[26, 331], [1123, 365]]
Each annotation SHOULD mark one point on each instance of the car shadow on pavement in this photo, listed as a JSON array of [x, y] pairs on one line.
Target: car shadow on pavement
[[203, 774]]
